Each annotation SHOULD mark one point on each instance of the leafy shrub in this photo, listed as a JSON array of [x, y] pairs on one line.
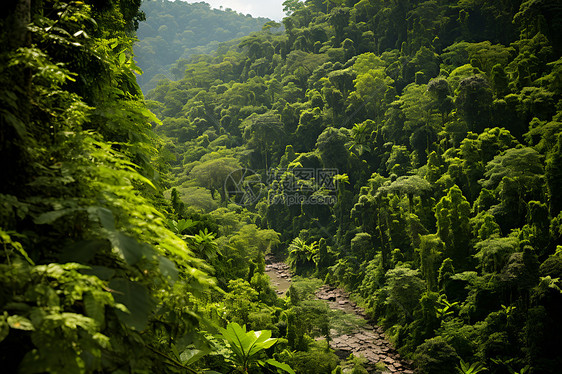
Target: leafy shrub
[[316, 361], [462, 337], [436, 356], [248, 347], [405, 289]]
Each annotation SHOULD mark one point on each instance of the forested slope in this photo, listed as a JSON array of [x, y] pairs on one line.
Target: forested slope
[[408, 151], [91, 277], [417, 152], [176, 30]]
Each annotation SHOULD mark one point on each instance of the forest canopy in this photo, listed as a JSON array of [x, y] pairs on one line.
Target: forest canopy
[[442, 122], [408, 152], [172, 32]]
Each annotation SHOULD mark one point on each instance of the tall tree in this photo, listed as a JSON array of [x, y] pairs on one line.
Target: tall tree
[[452, 214]]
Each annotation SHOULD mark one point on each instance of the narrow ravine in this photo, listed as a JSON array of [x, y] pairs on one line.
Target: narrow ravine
[[367, 340]]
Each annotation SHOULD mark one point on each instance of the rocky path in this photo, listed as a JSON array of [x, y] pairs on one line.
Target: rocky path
[[367, 340], [280, 275]]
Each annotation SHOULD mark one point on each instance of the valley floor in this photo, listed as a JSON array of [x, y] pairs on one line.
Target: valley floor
[[365, 340]]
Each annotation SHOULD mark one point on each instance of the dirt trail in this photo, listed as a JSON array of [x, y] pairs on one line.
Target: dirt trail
[[367, 340], [280, 275]]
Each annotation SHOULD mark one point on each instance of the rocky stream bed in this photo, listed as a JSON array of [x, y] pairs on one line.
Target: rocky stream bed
[[367, 340]]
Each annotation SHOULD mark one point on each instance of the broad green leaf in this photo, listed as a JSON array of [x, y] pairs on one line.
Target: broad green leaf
[[262, 341], [190, 356], [94, 309], [104, 215], [168, 268], [74, 320], [6, 239], [136, 298], [280, 365], [184, 342], [238, 339], [52, 216], [245, 345], [81, 33], [102, 340], [183, 224], [20, 323], [175, 351], [131, 250], [22, 308]]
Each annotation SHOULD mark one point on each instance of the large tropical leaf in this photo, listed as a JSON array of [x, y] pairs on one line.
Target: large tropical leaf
[[246, 345], [280, 365]]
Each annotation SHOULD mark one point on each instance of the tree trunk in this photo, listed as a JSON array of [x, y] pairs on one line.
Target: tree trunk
[[19, 35]]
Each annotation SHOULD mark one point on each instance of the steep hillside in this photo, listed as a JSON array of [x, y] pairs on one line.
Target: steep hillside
[[175, 30], [89, 270], [416, 154]]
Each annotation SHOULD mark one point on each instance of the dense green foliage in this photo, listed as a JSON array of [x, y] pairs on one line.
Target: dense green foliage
[[87, 263], [442, 121], [174, 31], [408, 151], [247, 346], [97, 271]]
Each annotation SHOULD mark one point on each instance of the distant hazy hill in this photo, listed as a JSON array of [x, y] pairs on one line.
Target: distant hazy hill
[[175, 30]]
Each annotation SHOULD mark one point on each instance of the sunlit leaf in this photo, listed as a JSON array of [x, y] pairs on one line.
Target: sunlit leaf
[[20, 323], [280, 365], [131, 250], [94, 309]]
